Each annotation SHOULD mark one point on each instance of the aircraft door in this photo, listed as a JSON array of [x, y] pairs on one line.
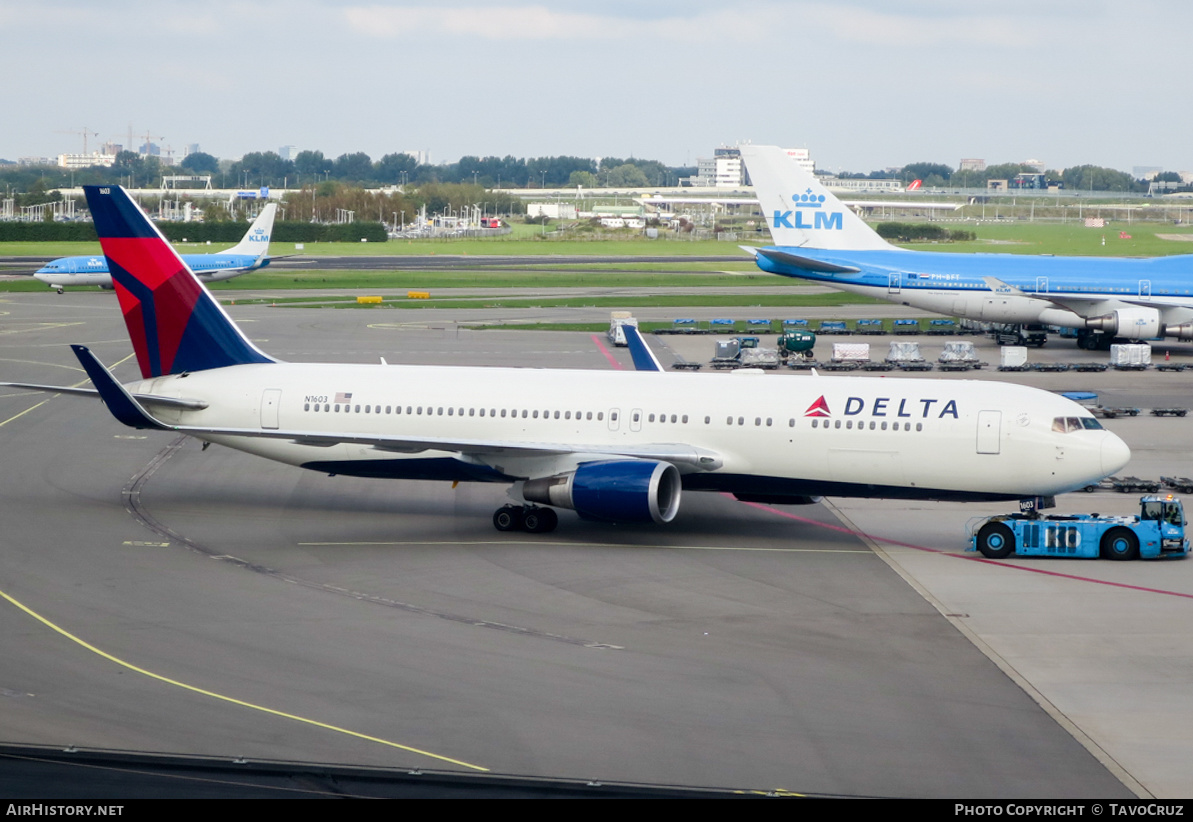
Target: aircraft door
[[895, 282], [1145, 289], [270, 401], [1041, 285], [989, 432], [636, 419], [614, 418]]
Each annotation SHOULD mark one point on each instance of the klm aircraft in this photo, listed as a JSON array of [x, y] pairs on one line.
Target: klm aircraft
[[819, 239], [250, 254]]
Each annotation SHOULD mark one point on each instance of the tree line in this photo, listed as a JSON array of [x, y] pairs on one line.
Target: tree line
[[308, 168], [267, 168], [1076, 178]]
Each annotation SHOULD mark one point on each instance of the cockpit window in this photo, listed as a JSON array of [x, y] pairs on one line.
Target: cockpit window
[[1064, 425]]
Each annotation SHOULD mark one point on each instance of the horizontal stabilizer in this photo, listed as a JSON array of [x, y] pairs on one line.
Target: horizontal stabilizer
[[806, 263], [144, 399]]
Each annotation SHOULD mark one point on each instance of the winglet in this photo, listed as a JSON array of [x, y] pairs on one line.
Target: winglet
[[122, 405], [644, 358], [999, 287]]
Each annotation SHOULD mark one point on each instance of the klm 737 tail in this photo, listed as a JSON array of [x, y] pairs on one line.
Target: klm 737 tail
[[818, 238]]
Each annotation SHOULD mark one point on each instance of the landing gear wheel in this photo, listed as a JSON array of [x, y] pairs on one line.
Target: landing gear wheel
[[1120, 544], [540, 520], [996, 541], [508, 518]]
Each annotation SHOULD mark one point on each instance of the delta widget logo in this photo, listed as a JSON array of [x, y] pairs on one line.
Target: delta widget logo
[[818, 408]]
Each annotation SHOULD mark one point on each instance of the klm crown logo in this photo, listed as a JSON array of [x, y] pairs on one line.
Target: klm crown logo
[[808, 200], [829, 221]]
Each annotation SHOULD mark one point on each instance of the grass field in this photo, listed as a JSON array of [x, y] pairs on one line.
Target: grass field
[[512, 245], [485, 278], [1006, 236], [695, 300], [1021, 237]]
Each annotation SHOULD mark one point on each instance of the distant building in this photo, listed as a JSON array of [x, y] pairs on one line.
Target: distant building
[[288, 152], [804, 158], [423, 158], [1145, 172], [1038, 165], [1029, 180], [725, 168], [972, 164], [861, 185], [86, 160]]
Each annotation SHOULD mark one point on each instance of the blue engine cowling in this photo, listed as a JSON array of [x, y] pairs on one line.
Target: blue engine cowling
[[613, 490]]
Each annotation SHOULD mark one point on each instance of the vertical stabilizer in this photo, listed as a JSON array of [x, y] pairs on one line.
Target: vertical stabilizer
[[174, 323], [799, 211], [256, 241]]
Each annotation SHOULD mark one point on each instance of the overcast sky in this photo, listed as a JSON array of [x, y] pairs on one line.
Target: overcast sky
[[864, 84]]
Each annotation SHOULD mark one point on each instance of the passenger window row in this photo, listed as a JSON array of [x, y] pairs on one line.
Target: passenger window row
[[875, 425], [451, 411]]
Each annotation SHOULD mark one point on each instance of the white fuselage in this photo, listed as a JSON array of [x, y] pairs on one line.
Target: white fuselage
[[769, 434]]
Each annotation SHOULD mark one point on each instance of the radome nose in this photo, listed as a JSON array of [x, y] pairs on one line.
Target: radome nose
[[1115, 454]]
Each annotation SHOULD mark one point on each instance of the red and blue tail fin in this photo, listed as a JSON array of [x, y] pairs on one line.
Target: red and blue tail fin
[[173, 321]]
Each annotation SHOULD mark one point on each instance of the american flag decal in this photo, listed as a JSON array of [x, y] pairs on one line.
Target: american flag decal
[[344, 396]]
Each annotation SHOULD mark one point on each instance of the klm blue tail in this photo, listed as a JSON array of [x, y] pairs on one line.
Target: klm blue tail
[[174, 323]]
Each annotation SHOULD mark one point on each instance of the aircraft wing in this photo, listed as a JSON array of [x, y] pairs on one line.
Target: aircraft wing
[[130, 410], [1081, 306]]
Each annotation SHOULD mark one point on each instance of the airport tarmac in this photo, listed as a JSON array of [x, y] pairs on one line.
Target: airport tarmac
[[235, 607]]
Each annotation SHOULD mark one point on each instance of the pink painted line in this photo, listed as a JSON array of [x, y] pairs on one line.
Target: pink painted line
[[998, 563], [838, 528], [596, 339]]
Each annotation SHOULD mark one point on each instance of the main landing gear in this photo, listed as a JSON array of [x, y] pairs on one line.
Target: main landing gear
[[529, 518]]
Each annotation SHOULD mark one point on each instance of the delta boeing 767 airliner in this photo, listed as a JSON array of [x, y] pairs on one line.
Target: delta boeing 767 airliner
[[819, 239], [613, 446]]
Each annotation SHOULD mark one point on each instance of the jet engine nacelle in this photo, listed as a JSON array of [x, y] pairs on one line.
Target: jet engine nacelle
[[1132, 323], [613, 490], [1183, 332]]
